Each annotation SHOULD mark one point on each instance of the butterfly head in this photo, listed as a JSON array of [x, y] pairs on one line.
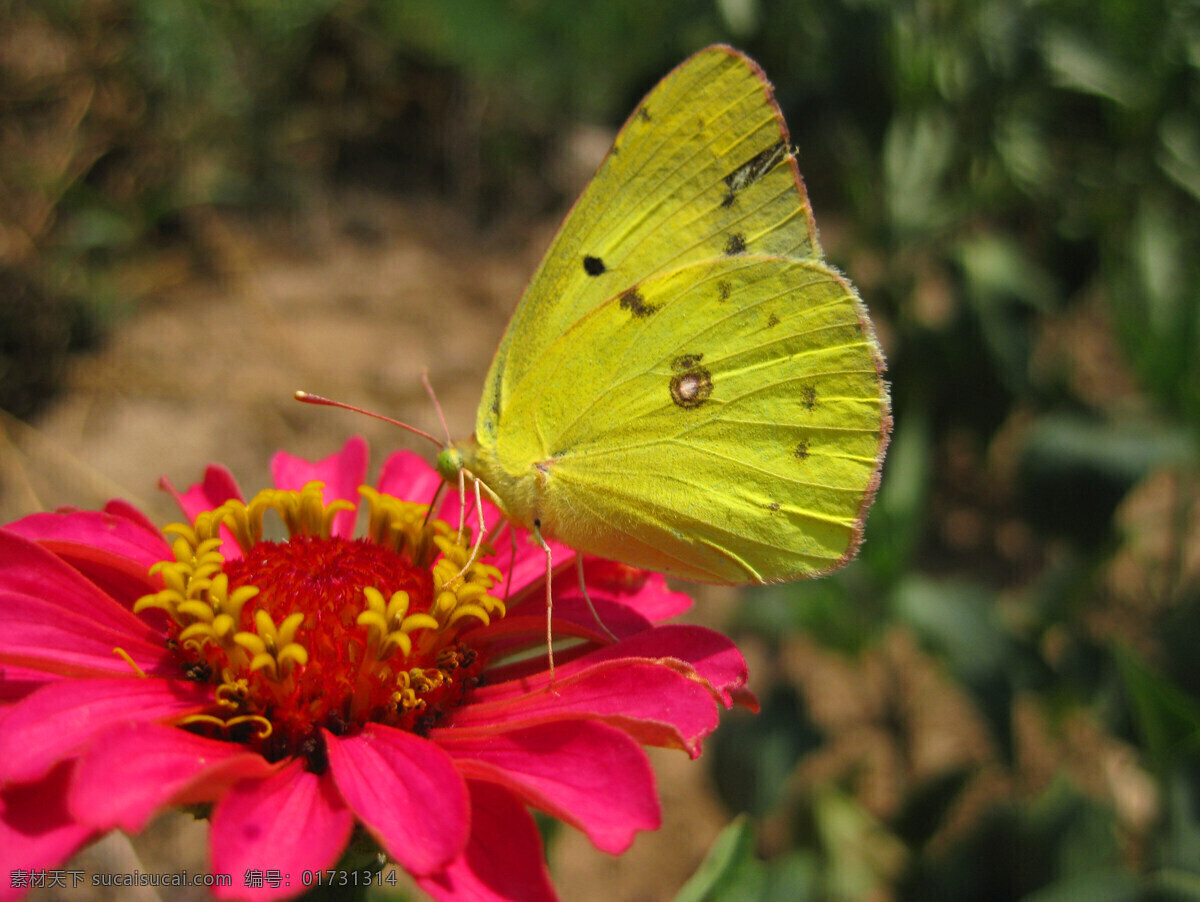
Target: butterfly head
[[449, 464]]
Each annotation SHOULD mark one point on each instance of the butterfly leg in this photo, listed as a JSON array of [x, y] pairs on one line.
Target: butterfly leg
[[461, 524], [587, 598], [537, 534], [462, 503]]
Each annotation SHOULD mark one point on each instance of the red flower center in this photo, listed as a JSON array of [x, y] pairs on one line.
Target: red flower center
[[321, 631]]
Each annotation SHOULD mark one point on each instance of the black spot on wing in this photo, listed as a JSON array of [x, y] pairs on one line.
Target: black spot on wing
[[772, 321], [773, 506], [735, 244], [724, 289], [801, 450], [644, 114], [594, 266], [808, 395], [635, 303], [685, 362]]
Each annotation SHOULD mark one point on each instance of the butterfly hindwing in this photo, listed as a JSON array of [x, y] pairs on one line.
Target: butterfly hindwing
[[722, 422]]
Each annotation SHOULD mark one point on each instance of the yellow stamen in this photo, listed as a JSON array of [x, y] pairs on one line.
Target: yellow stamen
[[124, 656]]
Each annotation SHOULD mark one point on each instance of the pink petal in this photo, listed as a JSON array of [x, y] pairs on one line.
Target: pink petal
[[570, 607], [503, 860], [342, 473], [113, 535], [642, 598], [407, 476], [527, 569], [217, 487], [649, 596], [113, 552], [17, 682], [291, 821], [120, 508], [129, 771], [121, 579], [525, 630], [585, 773], [655, 704], [42, 635], [27, 568], [59, 719], [714, 656], [36, 830], [407, 793]]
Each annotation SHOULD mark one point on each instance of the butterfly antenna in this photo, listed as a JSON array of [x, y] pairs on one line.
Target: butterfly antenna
[[308, 398], [436, 406], [462, 487]]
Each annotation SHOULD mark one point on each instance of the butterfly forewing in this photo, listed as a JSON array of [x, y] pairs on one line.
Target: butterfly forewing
[[702, 169]]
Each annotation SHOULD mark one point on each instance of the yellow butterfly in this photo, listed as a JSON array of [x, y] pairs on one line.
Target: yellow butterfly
[[686, 386]]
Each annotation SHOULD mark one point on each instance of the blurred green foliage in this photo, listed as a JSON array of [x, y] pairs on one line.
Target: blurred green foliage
[[1015, 187]]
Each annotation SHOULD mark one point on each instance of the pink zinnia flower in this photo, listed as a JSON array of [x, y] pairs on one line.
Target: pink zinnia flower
[[307, 685]]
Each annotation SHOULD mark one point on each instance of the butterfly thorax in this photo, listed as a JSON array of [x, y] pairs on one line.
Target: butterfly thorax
[[519, 494]]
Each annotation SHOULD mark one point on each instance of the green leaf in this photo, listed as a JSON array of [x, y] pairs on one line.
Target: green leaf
[[1083, 67], [862, 853], [1179, 875], [1006, 288], [917, 154], [1168, 718], [730, 870]]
